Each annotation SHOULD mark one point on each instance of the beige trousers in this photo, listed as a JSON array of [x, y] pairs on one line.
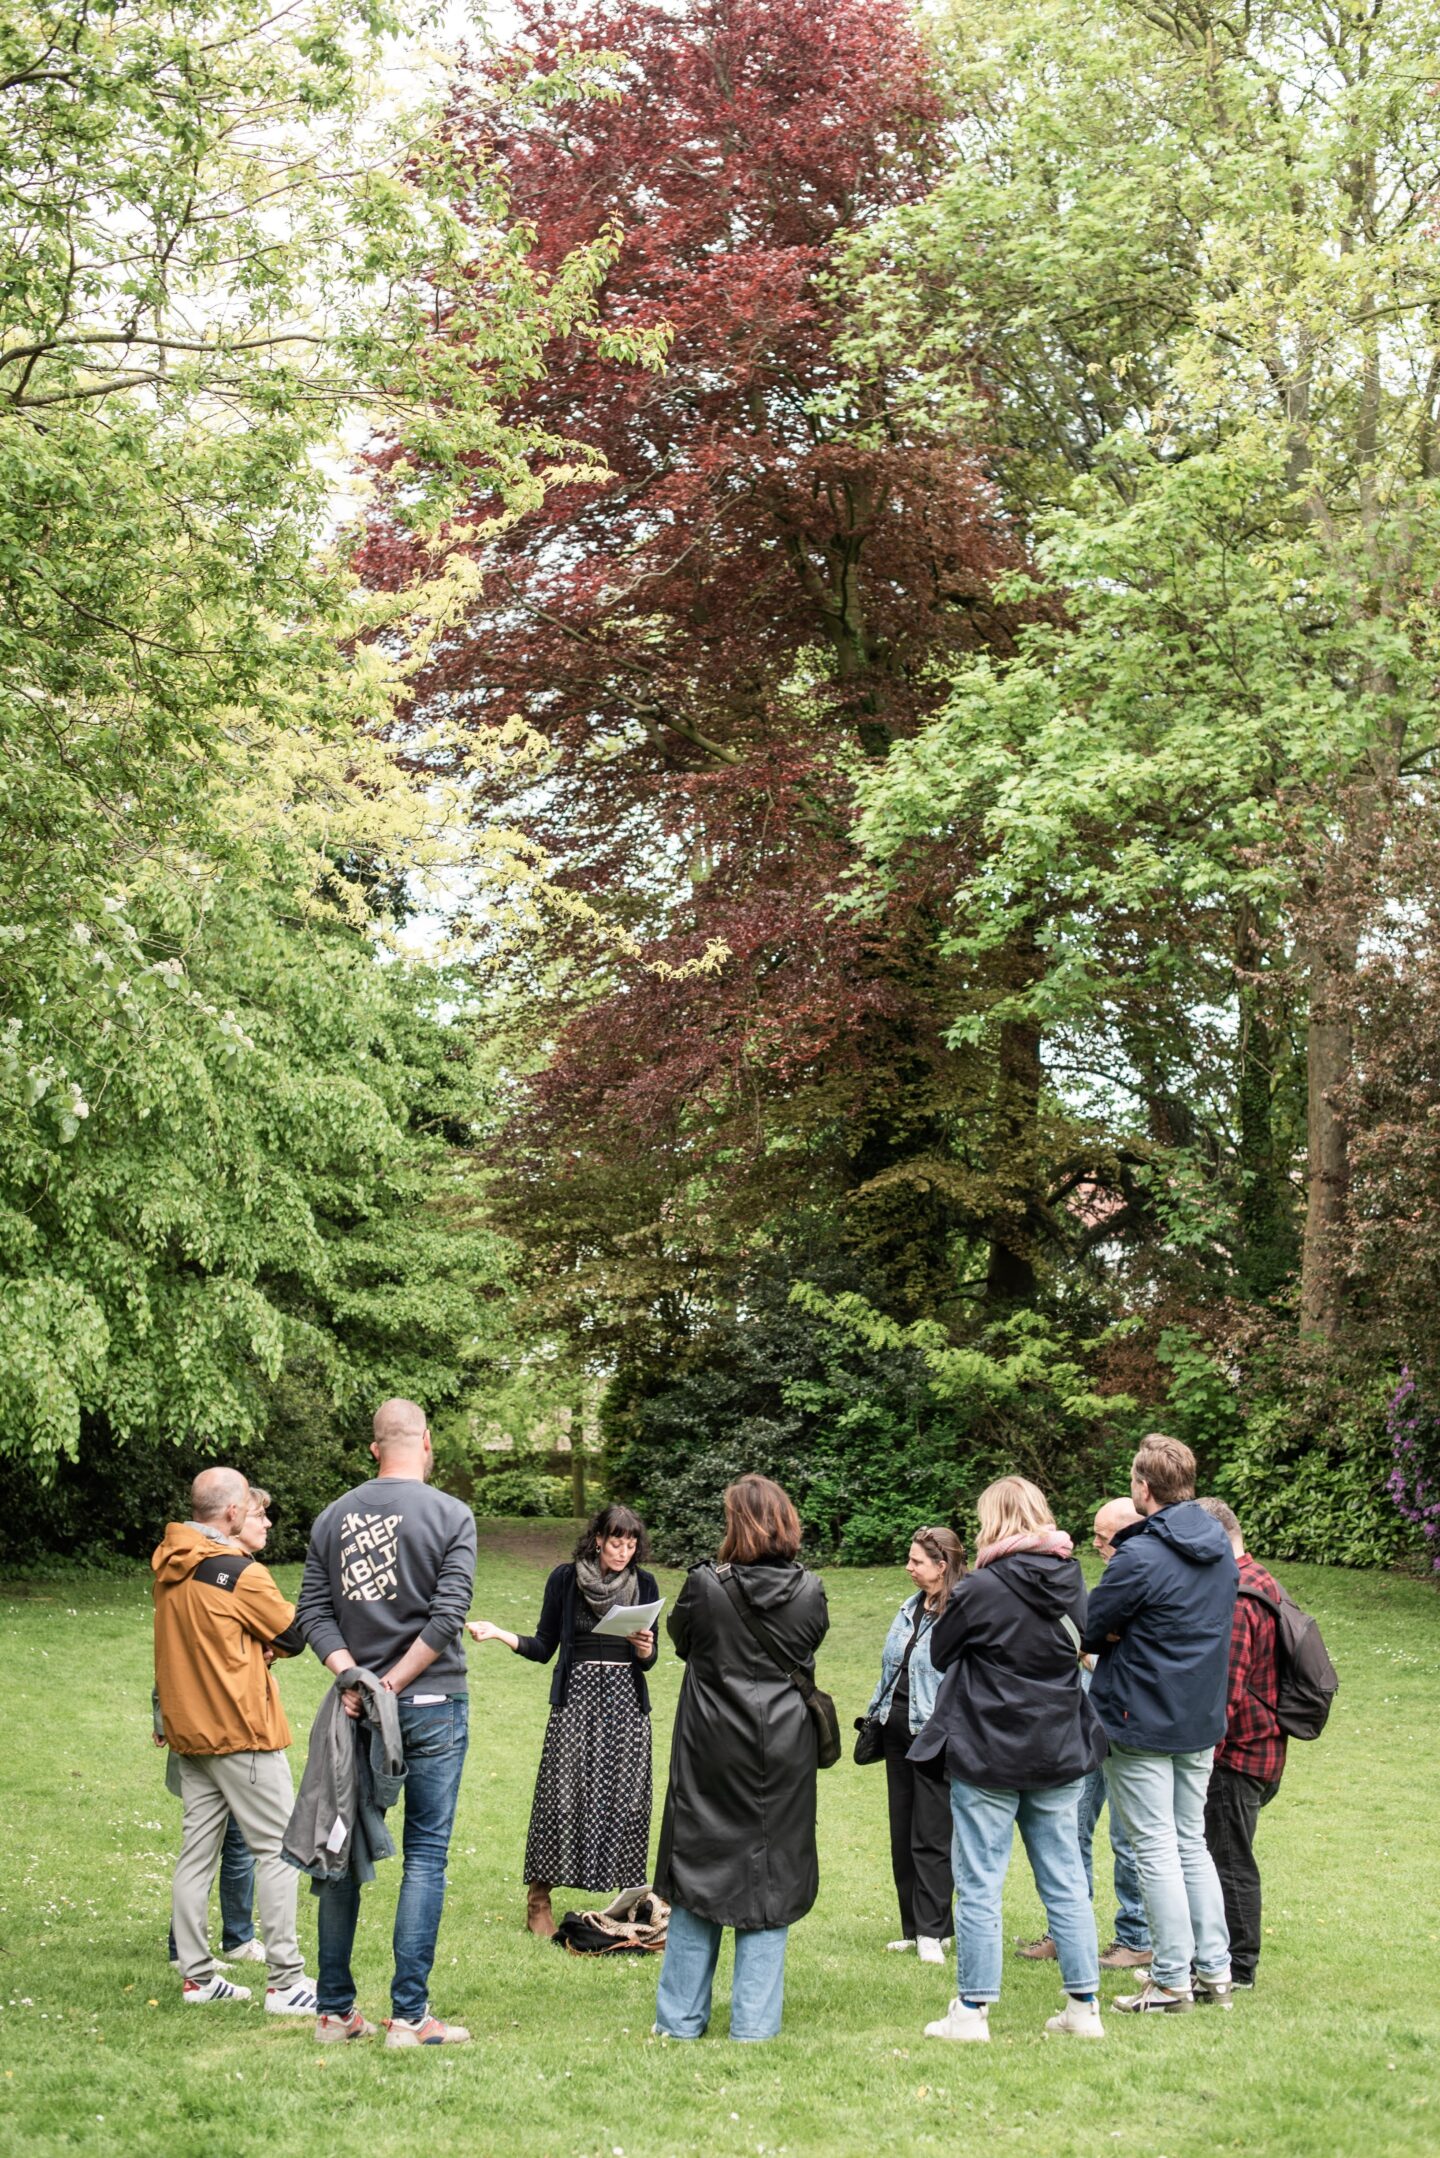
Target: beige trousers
[[256, 1788]]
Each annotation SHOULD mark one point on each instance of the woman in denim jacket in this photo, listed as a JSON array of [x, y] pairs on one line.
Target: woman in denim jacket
[[920, 1826]]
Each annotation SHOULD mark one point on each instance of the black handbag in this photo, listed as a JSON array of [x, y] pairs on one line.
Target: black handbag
[[819, 1706], [869, 1740]]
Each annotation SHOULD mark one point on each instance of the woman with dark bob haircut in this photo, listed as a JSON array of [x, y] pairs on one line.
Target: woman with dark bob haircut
[[590, 1821], [737, 1844]]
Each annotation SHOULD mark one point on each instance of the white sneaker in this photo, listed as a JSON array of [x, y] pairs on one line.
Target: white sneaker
[[297, 2000], [430, 2032], [960, 2022], [251, 1951], [1153, 2000], [1213, 1992], [338, 2030], [898, 1948], [1077, 2019], [929, 1950], [214, 1989]]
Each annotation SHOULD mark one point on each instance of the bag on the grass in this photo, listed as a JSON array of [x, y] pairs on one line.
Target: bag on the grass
[[1307, 1680], [635, 1924]]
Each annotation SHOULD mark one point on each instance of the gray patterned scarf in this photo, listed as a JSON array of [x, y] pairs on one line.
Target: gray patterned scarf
[[601, 1591]]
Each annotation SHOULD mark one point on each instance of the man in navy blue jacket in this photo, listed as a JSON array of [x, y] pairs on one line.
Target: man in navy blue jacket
[[1160, 1623]]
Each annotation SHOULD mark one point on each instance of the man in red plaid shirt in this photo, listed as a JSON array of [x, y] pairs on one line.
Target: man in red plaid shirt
[[1250, 1759]]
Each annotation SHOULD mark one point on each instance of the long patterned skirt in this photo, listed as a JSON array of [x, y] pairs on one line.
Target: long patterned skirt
[[590, 1822]]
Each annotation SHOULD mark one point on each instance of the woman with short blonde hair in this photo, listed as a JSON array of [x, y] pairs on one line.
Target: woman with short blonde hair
[[1015, 1735]]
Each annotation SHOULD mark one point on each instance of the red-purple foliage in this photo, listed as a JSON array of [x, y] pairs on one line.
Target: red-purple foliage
[[749, 603]]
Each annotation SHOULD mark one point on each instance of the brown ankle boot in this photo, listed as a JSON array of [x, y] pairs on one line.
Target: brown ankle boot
[[539, 1917]]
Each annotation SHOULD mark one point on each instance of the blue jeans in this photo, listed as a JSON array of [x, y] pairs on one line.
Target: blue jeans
[[237, 1891], [757, 1993], [985, 1823], [1160, 1797], [435, 1737], [1131, 1930]]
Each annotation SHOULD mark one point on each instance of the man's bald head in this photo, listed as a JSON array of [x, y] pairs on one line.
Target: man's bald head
[[1114, 1515], [401, 1440], [217, 1494]]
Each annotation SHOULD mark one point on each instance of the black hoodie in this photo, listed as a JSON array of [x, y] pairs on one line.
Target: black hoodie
[[1011, 1713]]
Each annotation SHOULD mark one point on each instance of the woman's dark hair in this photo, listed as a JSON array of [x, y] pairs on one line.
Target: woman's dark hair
[[760, 1523], [943, 1548], [613, 1521]]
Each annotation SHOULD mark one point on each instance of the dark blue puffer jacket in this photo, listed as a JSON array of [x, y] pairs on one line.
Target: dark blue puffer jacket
[[1169, 1593]]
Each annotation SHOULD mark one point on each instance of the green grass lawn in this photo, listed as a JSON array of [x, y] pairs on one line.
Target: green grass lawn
[[1336, 2053]]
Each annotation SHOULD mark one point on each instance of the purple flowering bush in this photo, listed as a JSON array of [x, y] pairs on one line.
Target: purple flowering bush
[[1414, 1480]]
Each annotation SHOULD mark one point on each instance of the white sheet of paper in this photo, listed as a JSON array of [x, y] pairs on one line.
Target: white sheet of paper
[[630, 1618]]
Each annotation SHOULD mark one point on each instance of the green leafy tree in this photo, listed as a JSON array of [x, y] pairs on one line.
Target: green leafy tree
[[1184, 262], [216, 262]]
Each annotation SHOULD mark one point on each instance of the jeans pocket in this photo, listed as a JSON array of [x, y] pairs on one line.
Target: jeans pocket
[[437, 1728]]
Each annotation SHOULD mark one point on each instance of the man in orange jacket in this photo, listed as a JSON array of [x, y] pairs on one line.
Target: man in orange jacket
[[217, 1613]]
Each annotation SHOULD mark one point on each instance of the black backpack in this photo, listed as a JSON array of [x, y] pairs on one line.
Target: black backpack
[[1307, 1680]]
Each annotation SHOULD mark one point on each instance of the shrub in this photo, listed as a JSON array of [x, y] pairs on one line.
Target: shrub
[[1414, 1480], [1307, 1465], [112, 1504], [858, 1434], [526, 1492]]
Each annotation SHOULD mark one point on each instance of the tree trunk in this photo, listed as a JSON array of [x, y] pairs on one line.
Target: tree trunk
[[1329, 1053], [577, 1461], [1267, 1253], [1010, 1270]]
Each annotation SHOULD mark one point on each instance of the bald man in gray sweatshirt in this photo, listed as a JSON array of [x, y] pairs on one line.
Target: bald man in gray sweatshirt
[[389, 1577]]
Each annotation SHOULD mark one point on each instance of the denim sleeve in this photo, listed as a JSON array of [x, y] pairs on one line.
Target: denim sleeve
[[890, 1656]]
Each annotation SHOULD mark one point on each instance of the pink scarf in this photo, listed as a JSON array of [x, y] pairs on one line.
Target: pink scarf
[[1035, 1540]]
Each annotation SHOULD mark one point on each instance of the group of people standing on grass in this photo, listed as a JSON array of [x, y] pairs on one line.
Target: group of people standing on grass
[[988, 1713], [1052, 1703]]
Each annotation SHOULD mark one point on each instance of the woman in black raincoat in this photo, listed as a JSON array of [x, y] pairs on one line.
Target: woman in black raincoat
[[737, 1844]]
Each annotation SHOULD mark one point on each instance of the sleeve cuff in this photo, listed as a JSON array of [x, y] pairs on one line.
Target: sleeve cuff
[[324, 1640]]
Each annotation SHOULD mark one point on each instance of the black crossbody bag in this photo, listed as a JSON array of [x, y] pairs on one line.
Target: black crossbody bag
[[818, 1704]]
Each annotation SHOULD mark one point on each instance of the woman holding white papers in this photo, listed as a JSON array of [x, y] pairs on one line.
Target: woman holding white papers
[[590, 1821]]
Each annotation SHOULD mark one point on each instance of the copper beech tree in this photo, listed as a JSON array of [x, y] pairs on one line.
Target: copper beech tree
[[712, 640]]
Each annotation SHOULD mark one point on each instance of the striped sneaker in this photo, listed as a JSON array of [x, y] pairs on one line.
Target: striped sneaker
[[214, 1989], [430, 2032], [296, 2000]]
